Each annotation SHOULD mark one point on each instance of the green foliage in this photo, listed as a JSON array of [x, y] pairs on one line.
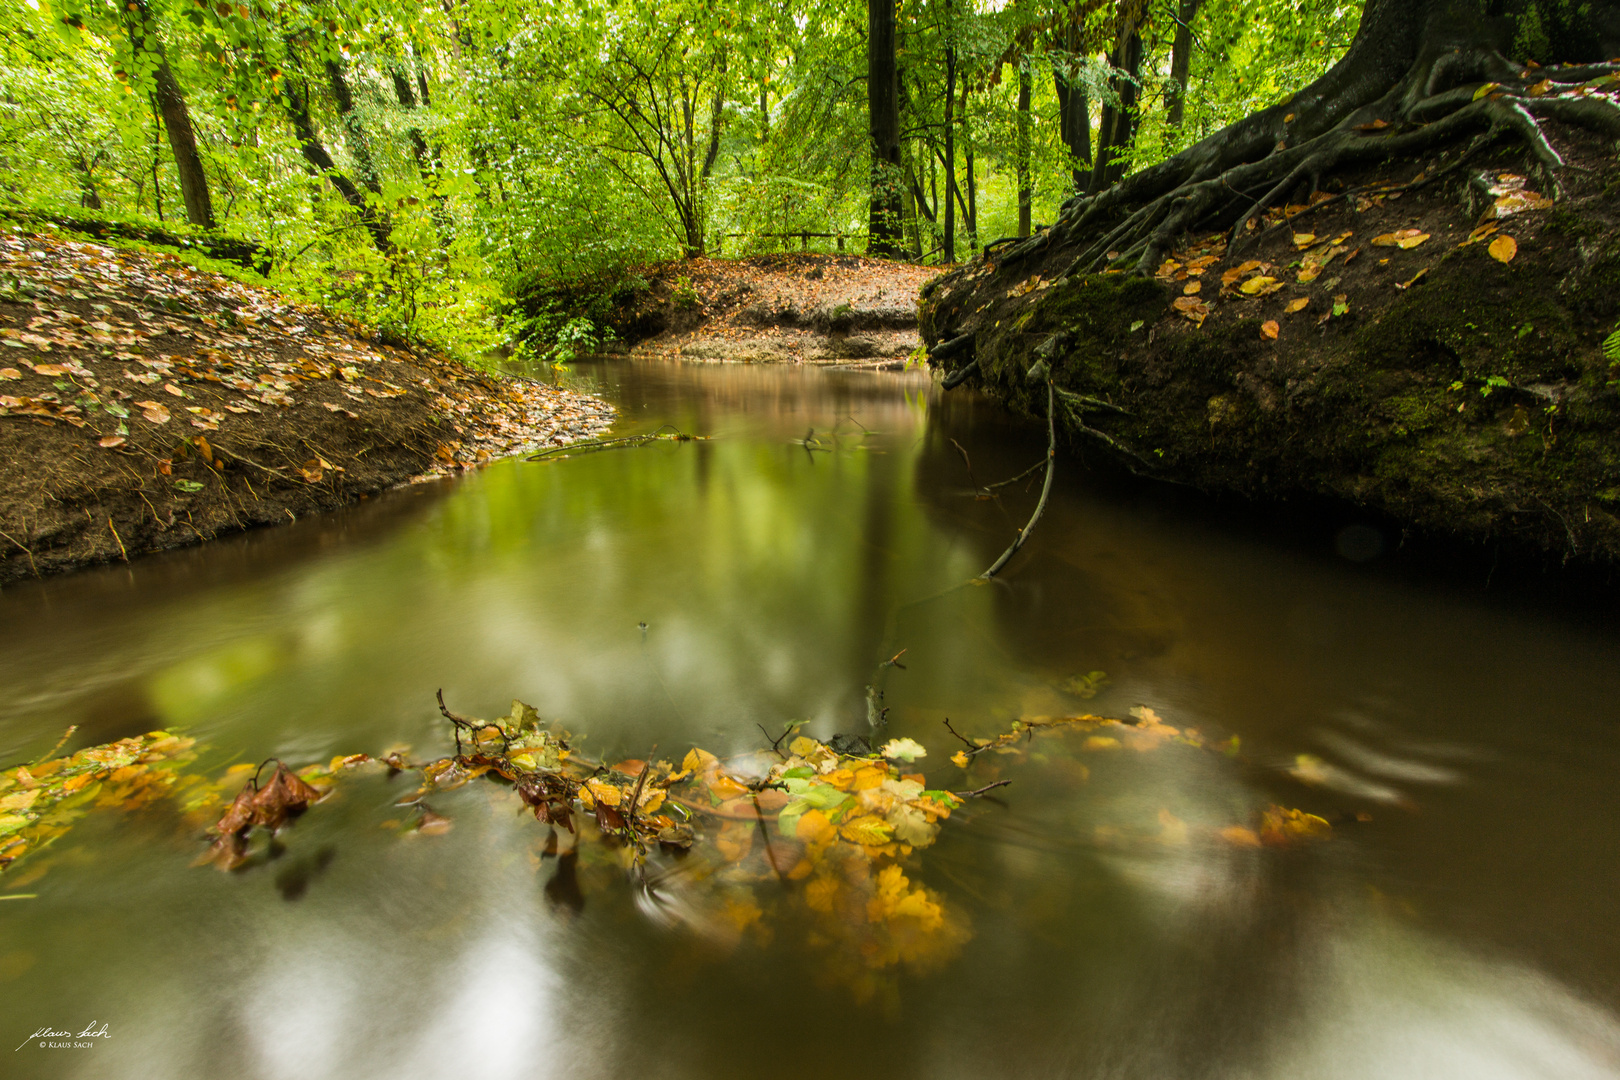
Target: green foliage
[[485, 154], [1611, 346]]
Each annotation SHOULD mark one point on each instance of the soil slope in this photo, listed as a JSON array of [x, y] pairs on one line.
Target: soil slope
[[790, 308], [146, 405], [1431, 351]]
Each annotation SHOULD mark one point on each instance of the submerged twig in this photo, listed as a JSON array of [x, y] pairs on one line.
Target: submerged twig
[[1046, 488], [459, 721], [960, 449], [974, 794], [66, 735], [1027, 472], [593, 445]]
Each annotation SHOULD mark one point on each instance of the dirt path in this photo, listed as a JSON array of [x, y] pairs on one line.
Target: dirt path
[[792, 308], [146, 405]]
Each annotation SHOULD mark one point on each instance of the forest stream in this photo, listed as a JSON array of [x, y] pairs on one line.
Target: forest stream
[[1107, 913]]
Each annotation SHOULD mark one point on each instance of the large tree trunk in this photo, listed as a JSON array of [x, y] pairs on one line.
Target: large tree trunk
[[1074, 127], [171, 102], [1116, 128], [1259, 329], [885, 221]]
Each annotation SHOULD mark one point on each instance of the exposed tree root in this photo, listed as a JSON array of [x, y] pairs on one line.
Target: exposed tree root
[[1230, 180]]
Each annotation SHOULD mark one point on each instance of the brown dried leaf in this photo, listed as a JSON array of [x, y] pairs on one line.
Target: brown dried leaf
[[284, 797]]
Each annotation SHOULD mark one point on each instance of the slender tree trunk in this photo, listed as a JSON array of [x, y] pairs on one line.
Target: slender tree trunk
[[1181, 60], [354, 131], [407, 101], [157, 155], [295, 96], [1024, 193], [89, 197], [971, 211], [1117, 128], [949, 245], [171, 104], [885, 219]]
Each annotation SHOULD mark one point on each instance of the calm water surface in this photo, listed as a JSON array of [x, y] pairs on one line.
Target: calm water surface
[[1468, 929]]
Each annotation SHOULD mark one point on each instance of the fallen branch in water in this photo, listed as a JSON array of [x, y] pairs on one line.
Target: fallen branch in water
[[974, 794], [1027, 472], [674, 434], [1046, 488]]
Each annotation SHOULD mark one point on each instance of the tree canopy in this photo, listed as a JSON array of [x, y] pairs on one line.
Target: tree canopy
[[420, 165]]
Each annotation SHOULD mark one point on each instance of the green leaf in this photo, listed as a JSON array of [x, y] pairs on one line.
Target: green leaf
[[907, 750], [188, 486]]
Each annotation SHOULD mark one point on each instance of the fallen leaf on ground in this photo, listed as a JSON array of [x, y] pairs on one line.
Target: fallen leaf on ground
[[1503, 249], [1297, 305], [109, 441], [1269, 329]]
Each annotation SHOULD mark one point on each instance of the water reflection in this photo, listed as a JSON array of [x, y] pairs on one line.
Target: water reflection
[[1465, 930]]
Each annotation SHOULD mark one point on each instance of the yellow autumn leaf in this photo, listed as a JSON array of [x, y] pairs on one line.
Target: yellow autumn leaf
[[1503, 249], [1100, 742], [840, 779], [1304, 239], [1279, 825], [1410, 242], [725, 787], [803, 746], [1269, 329], [1238, 836], [821, 894], [1398, 238], [735, 840], [960, 759], [869, 776], [697, 761], [814, 826], [1259, 285], [867, 830], [1297, 305], [1192, 288], [20, 800], [603, 792]]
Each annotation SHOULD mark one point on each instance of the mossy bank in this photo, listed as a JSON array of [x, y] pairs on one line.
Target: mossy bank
[[1457, 384]]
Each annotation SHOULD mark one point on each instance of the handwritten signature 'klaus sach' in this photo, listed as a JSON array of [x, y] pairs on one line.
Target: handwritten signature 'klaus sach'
[[51, 1039]]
